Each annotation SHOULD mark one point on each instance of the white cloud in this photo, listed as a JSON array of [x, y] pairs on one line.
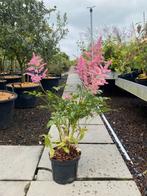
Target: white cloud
[[106, 12]]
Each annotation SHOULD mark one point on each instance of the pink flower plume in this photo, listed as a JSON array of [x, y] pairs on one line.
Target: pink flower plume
[[36, 68], [93, 71]]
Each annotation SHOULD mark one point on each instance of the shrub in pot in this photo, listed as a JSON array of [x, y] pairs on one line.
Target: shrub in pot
[[117, 50], [68, 110], [122, 51], [6, 108], [23, 89], [58, 64], [139, 55], [64, 154]]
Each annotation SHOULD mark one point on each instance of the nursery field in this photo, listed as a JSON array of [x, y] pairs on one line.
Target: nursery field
[[128, 118], [28, 124]]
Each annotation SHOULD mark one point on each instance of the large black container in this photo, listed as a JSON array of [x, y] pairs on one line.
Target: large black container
[[64, 172], [6, 110], [141, 81], [2, 74], [130, 76], [127, 76], [11, 78], [3, 84], [24, 99], [49, 83]]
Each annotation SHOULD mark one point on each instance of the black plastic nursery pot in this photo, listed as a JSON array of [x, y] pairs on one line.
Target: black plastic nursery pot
[[4, 73], [3, 84], [64, 172], [11, 78], [128, 76], [6, 108], [141, 81], [24, 99], [50, 82]]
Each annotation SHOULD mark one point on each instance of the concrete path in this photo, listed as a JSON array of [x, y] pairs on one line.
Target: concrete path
[[26, 170]]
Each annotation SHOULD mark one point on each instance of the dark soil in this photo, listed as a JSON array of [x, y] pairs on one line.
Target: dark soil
[[61, 155], [28, 125], [128, 118]]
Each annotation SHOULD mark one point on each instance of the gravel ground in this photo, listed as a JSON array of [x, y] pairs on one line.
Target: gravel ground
[[128, 118], [27, 125]]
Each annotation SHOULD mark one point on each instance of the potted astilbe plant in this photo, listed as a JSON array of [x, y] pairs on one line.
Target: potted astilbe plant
[[36, 69], [68, 110]]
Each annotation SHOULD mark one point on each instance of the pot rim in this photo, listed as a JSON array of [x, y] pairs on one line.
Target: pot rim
[[21, 87], [11, 99], [51, 78], [65, 161], [6, 77], [1, 80]]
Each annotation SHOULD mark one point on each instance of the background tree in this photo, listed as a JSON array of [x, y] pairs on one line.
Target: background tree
[[24, 29]]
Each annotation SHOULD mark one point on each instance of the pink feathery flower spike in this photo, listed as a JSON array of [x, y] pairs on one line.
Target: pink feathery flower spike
[[36, 69], [93, 71]]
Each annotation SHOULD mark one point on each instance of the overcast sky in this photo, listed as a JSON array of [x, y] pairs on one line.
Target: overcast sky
[[106, 13]]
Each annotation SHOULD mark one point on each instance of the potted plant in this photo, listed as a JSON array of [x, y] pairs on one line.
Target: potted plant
[[25, 98], [58, 64], [5, 76], [6, 108], [140, 61], [8, 68], [139, 51], [120, 49], [68, 110]]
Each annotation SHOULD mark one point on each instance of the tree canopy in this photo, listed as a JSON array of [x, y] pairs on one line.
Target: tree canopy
[[25, 28]]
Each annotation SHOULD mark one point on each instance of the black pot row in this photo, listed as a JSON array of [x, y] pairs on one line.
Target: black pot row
[[47, 83], [23, 98], [133, 77]]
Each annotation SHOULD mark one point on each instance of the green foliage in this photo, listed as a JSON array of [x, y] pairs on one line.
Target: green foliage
[[127, 54], [120, 55], [59, 63], [24, 29], [139, 56], [66, 115]]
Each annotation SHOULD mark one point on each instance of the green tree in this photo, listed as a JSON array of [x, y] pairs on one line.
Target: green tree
[[24, 29], [59, 63]]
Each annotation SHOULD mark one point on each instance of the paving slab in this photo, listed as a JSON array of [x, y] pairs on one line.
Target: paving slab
[[95, 134], [87, 188], [73, 78], [13, 188], [97, 161], [44, 175], [19, 162], [95, 120], [70, 88], [102, 161]]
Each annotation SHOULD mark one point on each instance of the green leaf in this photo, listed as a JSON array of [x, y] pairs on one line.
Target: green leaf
[[65, 149], [52, 152], [50, 123]]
